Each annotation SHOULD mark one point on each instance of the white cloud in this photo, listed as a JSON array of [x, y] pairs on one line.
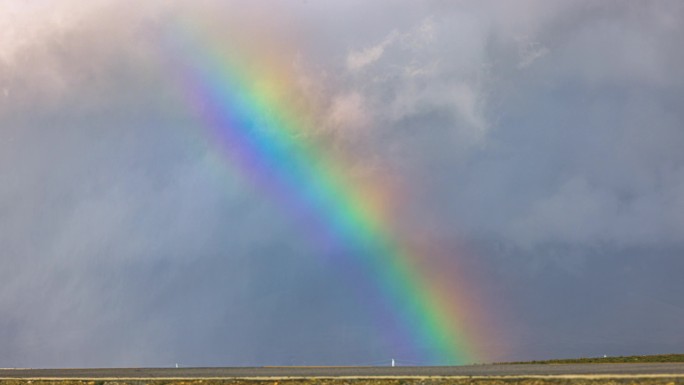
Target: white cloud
[[434, 66], [348, 112], [531, 52], [357, 60]]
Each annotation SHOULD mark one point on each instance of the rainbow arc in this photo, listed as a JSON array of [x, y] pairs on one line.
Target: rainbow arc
[[242, 100]]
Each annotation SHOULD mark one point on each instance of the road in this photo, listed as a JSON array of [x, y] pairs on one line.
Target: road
[[675, 369]]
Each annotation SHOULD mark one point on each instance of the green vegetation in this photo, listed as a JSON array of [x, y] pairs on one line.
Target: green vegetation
[[610, 360]]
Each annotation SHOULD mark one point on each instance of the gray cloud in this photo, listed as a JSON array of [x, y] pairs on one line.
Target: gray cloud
[[546, 136]]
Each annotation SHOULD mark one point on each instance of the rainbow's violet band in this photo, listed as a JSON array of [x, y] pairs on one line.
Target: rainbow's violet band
[[260, 134]]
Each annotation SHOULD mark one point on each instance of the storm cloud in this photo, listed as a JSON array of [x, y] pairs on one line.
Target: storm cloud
[[547, 137]]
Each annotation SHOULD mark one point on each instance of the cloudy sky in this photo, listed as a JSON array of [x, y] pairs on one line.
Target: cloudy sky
[[540, 142]]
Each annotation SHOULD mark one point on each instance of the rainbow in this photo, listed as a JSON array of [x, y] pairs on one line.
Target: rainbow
[[243, 101]]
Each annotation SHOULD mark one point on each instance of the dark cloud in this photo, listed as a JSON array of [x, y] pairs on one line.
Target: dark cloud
[[545, 136]]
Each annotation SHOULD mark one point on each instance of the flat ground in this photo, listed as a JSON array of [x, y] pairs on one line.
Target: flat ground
[[627, 371], [515, 370]]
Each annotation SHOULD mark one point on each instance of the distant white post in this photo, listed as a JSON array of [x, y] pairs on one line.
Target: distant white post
[[392, 362]]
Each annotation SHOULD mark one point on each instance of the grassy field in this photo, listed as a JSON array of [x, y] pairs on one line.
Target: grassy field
[[611, 360]]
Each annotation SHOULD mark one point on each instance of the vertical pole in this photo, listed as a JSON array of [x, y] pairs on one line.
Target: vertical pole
[[392, 362]]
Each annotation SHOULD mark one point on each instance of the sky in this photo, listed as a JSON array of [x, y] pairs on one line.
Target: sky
[[537, 145]]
